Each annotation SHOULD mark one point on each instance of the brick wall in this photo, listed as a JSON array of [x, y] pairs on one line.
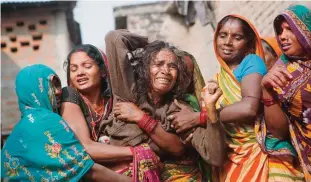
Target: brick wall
[[148, 24], [29, 37], [260, 13], [154, 21]]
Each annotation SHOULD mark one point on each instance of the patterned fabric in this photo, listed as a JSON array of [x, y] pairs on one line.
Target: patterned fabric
[[281, 153], [296, 97], [145, 166], [247, 161], [41, 146], [182, 171]]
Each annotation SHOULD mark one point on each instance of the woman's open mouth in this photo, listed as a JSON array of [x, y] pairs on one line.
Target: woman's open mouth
[[82, 81], [286, 46], [163, 80], [227, 51]]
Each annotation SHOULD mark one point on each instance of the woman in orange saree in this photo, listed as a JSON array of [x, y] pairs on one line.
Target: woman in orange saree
[[239, 51]]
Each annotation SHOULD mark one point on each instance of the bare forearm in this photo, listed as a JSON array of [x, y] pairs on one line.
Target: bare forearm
[[247, 109], [238, 112], [107, 153], [275, 118], [101, 173], [167, 141]]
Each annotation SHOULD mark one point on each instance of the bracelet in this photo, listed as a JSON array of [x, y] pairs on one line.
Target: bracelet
[[147, 123], [203, 118], [268, 102]]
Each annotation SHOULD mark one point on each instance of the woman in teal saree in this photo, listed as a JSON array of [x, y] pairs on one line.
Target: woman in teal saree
[[41, 146]]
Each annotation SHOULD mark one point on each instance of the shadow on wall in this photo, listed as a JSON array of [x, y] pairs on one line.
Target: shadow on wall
[[10, 114]]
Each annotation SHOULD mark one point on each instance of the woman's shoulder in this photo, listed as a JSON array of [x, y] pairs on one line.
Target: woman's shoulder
[[252, 63], [255, 62], [71, 95]]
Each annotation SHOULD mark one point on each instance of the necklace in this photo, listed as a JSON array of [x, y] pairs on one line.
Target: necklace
[[99, 110], [99, 113]]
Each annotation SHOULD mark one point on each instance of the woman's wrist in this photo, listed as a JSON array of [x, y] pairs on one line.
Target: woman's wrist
[[203, 118], [139, 116], [147, 124], [268, 102], [267, 98], [266, 94]]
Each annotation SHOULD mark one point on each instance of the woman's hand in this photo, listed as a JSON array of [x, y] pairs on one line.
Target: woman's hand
[[128, 111], [185, 119], [277, 77], [211, 93]]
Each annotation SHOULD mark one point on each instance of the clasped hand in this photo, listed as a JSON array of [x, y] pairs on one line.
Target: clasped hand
[[128, 112]]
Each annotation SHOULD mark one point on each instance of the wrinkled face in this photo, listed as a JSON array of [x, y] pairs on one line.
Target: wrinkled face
[[57, 88], [288, 41], [231, 42], [84, 72], [163, 72]]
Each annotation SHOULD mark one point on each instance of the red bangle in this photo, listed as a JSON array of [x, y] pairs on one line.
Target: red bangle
[[203, 118], [147, 123], [268, 102]]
